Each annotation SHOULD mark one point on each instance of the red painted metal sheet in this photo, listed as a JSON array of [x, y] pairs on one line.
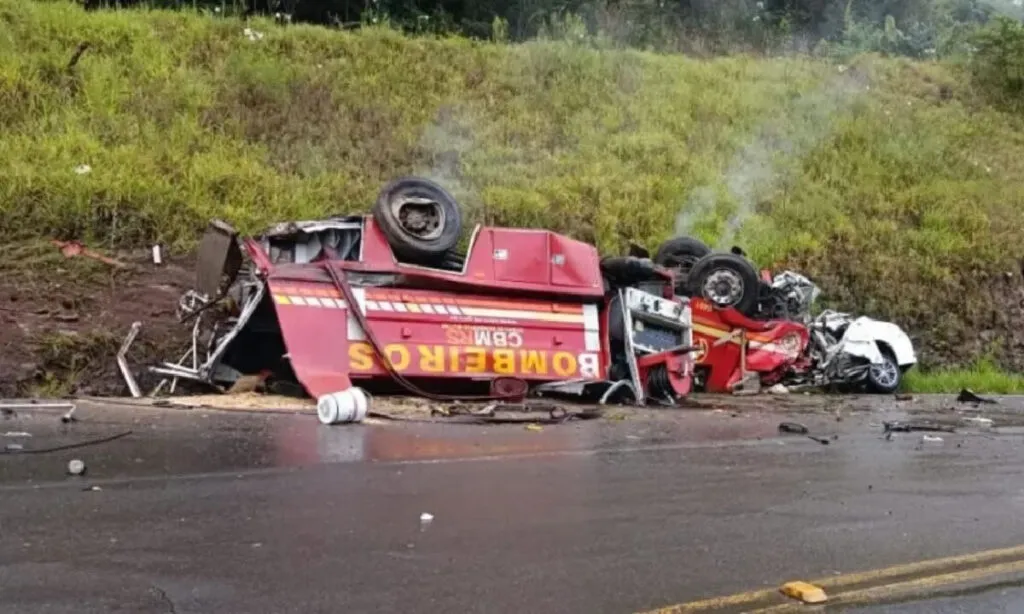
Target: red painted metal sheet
[[772, 345], [500, 260], [434, 334], [314, 326]]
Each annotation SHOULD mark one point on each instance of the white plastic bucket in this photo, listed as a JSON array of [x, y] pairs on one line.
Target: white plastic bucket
[[340, 407]]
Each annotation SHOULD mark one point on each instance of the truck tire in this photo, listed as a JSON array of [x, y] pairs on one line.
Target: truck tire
[[679, 255], [419, 218], [725, 280]]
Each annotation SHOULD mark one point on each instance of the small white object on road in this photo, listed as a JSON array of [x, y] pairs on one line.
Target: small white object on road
[[76, 467], [349, 405], [157, 256], [931, 439], [425, 517]]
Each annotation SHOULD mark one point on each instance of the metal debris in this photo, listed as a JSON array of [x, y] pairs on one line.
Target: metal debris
[[907, 427], [793, 427], [969, 396]]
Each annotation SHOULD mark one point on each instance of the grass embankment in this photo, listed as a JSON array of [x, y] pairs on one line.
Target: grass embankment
[[983, 376], [887, 181]]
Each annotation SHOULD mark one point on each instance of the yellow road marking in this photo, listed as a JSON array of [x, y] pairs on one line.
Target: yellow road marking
[[849, 580], [887, 573], [874, 594]]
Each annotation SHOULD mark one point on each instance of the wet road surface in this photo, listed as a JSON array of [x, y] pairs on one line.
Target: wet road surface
[[204, 511]]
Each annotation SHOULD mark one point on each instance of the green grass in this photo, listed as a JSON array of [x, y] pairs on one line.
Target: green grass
[[888, 181], [983, 378]]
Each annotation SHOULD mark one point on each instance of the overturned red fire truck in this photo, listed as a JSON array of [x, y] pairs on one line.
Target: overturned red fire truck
[[385, 302]]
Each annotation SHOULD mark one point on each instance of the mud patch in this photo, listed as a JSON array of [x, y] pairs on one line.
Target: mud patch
[[63, 318]]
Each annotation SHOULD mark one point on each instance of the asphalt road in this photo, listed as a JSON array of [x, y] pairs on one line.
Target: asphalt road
[[214, 512]]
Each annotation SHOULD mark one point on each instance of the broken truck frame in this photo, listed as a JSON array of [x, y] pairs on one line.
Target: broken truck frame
[[524, 310]]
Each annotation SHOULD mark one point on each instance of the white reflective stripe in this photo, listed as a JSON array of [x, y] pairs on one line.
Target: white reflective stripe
[[355, 331], [297, 300], [592, 326], [372, 305], [330, 302], [425, 307], [401, 308], [516, 314], [455, 311], [385, 306], [439, 309]]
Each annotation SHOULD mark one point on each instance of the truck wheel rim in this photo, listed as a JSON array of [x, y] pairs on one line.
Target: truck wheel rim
[[723, 287], [419, 217]]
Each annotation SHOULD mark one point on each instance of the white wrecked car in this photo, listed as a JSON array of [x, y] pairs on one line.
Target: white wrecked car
[[843, 349]]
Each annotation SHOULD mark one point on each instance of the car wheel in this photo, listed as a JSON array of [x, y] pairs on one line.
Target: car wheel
[[885, 378], [679, 255], [725, 280], [419, 218]]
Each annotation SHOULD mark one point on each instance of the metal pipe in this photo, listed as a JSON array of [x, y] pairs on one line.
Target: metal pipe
[[122, 363]]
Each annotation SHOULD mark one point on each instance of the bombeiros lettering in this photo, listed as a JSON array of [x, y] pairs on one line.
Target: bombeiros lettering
[[469, 359]]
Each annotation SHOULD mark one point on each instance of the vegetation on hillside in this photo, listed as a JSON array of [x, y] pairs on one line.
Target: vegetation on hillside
[[894, 183], [914, 28]]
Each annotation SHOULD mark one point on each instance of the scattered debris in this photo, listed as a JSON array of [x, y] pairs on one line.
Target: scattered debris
[[534, 427], [793, 427], [803, 591], [983, 423], [76, 467], [931, 439], [969, 396], [14, 447], [83, 169], [252, 35], [822, 440], [17, 434], [158, 257], [71, 249], [425, 517], [907, 427], [778, 389], [904, 397]]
